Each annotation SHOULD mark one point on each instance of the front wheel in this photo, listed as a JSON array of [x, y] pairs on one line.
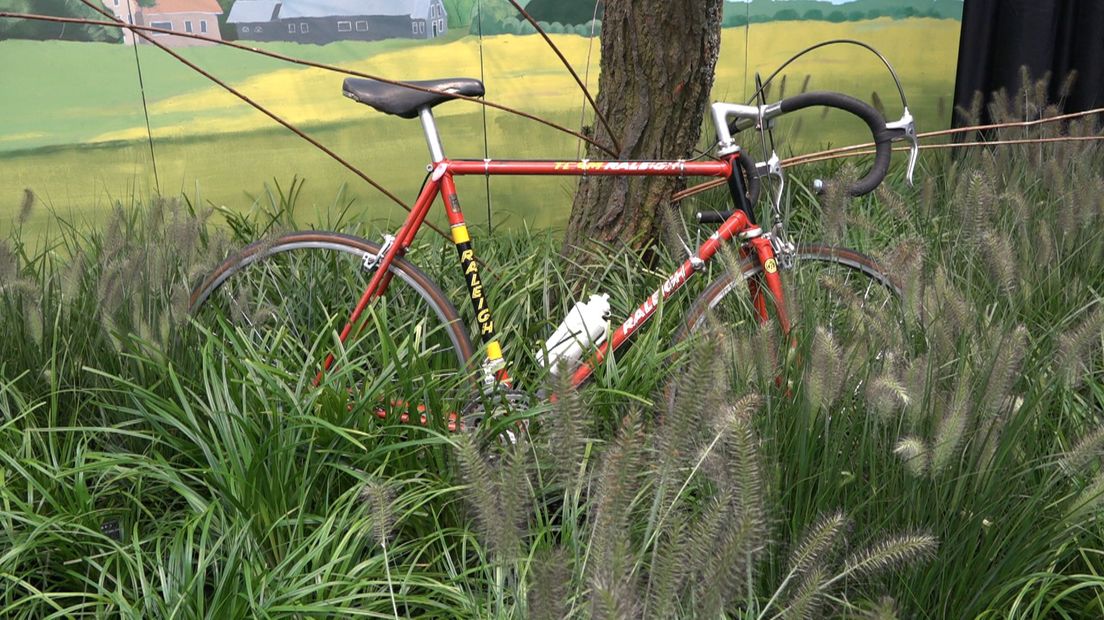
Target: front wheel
[[842, 293], [287, 299]]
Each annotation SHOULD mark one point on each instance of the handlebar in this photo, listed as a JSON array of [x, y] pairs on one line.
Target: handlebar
[[883, 137], [884, 134]]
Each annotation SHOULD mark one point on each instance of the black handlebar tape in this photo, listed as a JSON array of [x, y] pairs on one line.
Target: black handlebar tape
[[873, 119], [713, 217]]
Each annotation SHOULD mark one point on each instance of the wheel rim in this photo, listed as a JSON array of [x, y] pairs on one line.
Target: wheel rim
[[287, 302], [847, 296], [842, 293]]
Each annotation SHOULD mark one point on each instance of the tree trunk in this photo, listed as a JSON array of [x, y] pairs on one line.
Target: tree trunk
[[657, 65]]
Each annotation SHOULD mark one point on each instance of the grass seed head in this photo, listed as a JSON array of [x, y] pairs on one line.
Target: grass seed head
[[915, 454], [1000, 261], [819, 544], [9, 263], [550, 580], [1087, 450], [891, 554], [697, 402], [915, 381], [485, 498], [950, 432], [377, 495], [72, 277], [977, 191], [33, 320], [1087, 503], [730, 566], [1004, 372], [26, 207], [617, 481], [884, 609], [836, 201], [670, 568], [1077, 346], [886, 395], [564, 436], [807, 600], [747, 481], [824, 374]]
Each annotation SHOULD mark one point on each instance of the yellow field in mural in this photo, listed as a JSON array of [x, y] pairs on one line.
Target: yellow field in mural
[[81, 150]]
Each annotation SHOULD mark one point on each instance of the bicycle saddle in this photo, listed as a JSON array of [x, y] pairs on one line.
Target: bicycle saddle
[[403, 101]]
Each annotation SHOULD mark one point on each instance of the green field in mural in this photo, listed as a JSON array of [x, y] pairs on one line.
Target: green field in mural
[[75, 131]]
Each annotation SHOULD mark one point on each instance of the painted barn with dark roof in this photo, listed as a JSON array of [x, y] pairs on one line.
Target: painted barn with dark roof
[[325, 21]]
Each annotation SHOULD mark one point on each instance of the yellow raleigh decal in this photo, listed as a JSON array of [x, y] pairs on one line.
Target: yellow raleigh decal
[[770, 266], [475, 289], [460, 234], [494, 350]]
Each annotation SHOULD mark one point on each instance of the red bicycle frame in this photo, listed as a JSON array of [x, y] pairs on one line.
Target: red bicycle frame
[[441, 183]]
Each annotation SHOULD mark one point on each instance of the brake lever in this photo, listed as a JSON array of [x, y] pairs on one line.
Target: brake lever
[[773, 167], [784, 249], [907, 125]]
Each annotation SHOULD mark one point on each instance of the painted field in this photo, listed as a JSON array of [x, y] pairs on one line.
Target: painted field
[[74, 129]]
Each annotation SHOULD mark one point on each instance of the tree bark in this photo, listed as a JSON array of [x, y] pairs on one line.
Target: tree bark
[[658, 58]]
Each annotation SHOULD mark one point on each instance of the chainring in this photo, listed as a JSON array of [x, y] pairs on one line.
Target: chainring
[[500, 402]]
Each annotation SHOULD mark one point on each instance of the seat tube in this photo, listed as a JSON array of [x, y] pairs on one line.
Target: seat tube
[[433, 139], [460, 237]]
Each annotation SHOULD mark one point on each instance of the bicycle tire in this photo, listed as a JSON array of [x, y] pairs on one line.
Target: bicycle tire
[[813, 299], [291, 295]]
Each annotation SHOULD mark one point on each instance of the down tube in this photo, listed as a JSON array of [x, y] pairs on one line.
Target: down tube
[[735, 224]]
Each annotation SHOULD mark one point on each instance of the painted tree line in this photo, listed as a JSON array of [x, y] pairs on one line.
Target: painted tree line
[[758, 11], [46, 31], [578, 16]]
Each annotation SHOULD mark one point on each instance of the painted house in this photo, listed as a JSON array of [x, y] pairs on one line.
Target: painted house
[[191, 16], [324, 21]]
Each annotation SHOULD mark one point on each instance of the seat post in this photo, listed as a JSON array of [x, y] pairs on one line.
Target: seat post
[[432, 138]]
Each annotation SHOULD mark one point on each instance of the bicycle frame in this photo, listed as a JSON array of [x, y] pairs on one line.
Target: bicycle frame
[[440, 182]]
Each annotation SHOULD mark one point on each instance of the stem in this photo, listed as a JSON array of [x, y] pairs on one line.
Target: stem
[[390, 586]]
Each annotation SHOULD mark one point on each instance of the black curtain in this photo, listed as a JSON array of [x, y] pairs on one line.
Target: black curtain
[[1055, 36]]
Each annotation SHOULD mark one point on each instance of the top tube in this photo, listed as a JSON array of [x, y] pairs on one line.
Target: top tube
[[585, 167]]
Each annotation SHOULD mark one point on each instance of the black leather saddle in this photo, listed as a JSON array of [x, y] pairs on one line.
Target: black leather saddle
[[403, 101]]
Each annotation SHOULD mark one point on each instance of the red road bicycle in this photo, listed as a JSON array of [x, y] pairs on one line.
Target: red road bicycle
[[300, 287]]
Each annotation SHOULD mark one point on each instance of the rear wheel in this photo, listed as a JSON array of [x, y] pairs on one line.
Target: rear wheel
[[288, 298]]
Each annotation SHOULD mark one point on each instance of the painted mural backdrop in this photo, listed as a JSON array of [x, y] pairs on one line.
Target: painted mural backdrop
[[74, 100]]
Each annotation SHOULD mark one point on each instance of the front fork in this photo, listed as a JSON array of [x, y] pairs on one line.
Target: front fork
[[760, 245], [764, 252]]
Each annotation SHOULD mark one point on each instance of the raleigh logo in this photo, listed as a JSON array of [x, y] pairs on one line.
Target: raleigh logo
[[621, 166], [475, 289], [649, 306]]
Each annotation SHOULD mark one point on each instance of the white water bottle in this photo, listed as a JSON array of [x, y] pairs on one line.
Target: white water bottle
[[585, 326]]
